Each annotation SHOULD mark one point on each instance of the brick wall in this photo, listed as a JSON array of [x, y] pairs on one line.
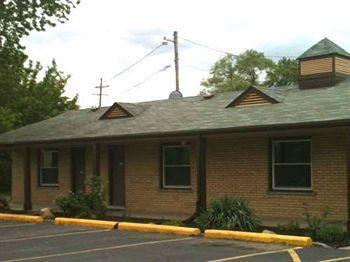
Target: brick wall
[[235, 166], [17, 194], [143, 193], [44, 196], [239, 167]]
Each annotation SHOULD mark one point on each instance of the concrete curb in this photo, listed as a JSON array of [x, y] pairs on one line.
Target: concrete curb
[[260, 237], [85, 222], [21, 218], [125, 226]]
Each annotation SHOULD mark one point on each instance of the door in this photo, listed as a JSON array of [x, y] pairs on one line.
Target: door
[[117, 176], [78, 169]]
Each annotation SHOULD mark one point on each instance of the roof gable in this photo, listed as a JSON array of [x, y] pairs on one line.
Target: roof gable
[[116, 111], [252, 97], [324, 47]]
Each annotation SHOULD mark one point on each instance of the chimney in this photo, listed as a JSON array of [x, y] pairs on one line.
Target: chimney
[[324, 64]]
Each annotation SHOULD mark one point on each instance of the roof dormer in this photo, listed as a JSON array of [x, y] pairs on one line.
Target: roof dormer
[[324, 64], [252, 96], [116, 111]]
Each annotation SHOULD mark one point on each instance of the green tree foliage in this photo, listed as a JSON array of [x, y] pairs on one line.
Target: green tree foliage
[[251, 64], [43, 98], [249, 68], [19, 18], [24, 96], [284, 72]]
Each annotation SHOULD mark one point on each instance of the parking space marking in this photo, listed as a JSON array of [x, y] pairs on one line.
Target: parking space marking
[[336, 259], [17, 225], [53, 235], [99, 249], [294, 255], [254, 254]]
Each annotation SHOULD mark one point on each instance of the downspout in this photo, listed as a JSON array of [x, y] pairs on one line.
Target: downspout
[[201, 201]]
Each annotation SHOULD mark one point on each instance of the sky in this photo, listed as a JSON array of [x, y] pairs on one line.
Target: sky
[[103, 37]]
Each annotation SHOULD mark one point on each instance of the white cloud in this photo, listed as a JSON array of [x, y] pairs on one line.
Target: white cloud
[[103, 37]]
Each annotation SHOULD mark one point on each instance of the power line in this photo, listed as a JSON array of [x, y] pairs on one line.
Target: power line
[[148, 78], [197, 68], [225, 52], [138, 61], [208, 47]]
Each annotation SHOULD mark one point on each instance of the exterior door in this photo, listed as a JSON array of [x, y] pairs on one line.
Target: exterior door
[[117, 176], [78, 169]]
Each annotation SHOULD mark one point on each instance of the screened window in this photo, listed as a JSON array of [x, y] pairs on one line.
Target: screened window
[[291, 165], [176, 167], [49, 167]]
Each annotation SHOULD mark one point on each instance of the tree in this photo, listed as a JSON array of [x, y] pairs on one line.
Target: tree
[[44, 98], [24, 98], [19, 18], [224, 77], [284, 72], [251, 64], [249, 68], [237, 73]]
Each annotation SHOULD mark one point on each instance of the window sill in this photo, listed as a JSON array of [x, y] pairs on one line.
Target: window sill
[[47, 187], [181, 190], [292, 192]]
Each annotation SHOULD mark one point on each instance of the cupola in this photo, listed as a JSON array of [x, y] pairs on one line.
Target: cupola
[[322, 65]]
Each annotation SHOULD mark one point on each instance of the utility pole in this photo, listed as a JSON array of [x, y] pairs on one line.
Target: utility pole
[[176, 60], [100, 94]]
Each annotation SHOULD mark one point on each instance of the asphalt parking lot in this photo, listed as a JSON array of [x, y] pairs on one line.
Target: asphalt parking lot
[[48, 242]]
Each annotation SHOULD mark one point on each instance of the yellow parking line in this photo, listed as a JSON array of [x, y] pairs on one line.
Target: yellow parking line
[[253, 255], [294, 255], [97, 249]]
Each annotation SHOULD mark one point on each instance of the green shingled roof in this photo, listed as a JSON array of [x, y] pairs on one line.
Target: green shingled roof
[[324, 47], [194, 115]]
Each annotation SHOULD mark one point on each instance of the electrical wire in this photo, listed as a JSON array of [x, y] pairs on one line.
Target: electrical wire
[[148, 78], [225, 52], [135, 63]]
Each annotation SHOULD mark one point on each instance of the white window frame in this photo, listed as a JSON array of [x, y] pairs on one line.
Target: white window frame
[[42, 152], [290, 164], [188, 165]]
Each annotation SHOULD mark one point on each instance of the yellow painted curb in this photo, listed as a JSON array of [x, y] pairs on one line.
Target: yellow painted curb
[[260, 237], [159, 229], [21, 218], [85, 222]]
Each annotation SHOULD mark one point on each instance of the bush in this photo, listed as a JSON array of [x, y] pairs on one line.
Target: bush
[[330, 234], [228, 213], [85, 205], [315, 223], [4, 204]]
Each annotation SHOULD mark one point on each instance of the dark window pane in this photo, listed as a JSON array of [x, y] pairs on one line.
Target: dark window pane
[[49, 158], [293, 176], [177, 176], [49, 176], [292, 152], [177, 155], [54, 159]]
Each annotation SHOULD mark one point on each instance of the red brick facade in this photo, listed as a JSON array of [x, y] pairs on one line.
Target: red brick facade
[[237, 166]]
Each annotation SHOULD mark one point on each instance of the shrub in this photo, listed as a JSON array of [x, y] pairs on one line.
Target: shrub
[[228, 213], [315, 223], [88, 205], [330, 234], [4, 204]]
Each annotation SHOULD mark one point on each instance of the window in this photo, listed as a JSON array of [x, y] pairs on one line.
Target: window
[[291, 165], [49, 167], [176, 166]]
